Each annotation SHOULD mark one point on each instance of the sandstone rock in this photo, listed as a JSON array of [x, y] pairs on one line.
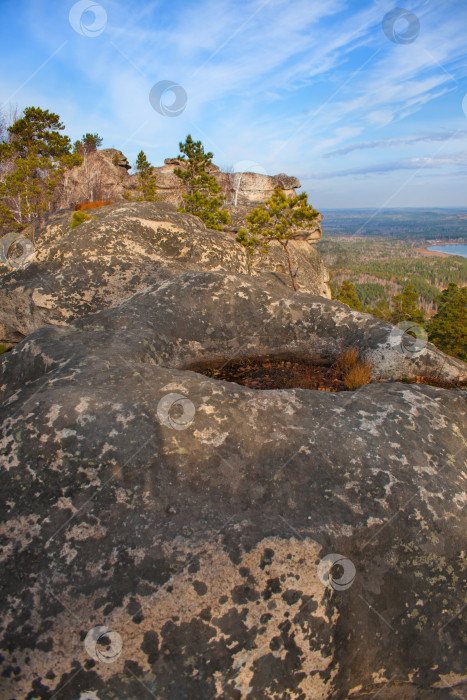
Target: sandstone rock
[[127, 248], [102, 176], [171, 535]]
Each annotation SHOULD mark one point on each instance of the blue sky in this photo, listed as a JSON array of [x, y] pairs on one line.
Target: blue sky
[[312, 88]]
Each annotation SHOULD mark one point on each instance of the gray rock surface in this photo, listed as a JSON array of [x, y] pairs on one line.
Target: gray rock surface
[[169, 535], [128, 247]]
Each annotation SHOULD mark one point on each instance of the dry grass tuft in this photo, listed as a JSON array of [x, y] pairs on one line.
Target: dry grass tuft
[[346, 360], [358, 375], [354, 370]]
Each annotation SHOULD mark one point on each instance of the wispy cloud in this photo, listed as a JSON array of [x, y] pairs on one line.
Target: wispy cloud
[[286, 83], [431, 137], [432, 162]]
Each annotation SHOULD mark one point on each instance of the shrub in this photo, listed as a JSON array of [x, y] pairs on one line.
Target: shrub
[[3, 348], [93, 205], [78, 218]]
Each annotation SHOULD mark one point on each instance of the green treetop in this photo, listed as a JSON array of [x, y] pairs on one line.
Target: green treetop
[[405, 306], [201, 196], [348, 295], [37, 131], [448, 327], [277, 219], [87, 144], [147, 180], [32, 163]]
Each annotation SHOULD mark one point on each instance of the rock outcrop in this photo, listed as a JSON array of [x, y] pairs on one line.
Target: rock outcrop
[[126, 248], [174, 536], [242, 192], [242, 189], [104, 175]]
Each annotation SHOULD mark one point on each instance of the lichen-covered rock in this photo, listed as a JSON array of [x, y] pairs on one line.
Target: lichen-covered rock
[[170, 535], [126, 248]]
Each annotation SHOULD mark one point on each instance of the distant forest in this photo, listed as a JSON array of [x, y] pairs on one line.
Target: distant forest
[[405, 224], [379, 268]]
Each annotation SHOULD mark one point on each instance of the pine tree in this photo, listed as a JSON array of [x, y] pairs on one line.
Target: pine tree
[[381, 310], [277, 219], [89, 143], [147, 180], [405, 306], [348, 295], [448, 327], [37, 131], [32, 164], [202, 196]]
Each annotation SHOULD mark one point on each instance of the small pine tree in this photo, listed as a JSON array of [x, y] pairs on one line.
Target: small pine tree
[[87, 144], [405, 306], [348, 295], [147, 180], [78, 218], [448, 327], [202, 196], [381, 310], [277, 219]]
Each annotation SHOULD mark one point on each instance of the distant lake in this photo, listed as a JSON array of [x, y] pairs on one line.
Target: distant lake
[[457, 249]]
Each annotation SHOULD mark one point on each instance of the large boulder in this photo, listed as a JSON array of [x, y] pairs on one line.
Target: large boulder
[[127, 247], [170, 535]]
